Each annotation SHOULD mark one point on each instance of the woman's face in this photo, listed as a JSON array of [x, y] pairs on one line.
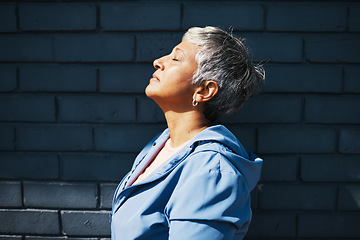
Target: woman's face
[[171, 82]]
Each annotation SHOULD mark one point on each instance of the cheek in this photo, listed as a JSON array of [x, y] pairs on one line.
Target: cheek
[[186, 75]]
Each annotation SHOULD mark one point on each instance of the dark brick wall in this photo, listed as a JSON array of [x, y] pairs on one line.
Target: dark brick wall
[[73, 114]]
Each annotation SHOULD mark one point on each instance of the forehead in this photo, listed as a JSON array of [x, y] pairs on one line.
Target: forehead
[[187, 48]]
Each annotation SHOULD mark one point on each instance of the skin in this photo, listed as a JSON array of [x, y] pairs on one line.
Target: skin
[[172, 90]]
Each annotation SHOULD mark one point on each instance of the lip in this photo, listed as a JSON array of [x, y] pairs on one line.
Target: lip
[[154, 77]]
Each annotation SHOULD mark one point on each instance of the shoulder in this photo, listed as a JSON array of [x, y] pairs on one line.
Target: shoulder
[[215, 188], [212, 157]]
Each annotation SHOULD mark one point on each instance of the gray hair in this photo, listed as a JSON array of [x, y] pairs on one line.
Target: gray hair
[[224, 58]]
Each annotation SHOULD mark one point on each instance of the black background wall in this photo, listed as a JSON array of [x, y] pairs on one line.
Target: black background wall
[[73, 114]]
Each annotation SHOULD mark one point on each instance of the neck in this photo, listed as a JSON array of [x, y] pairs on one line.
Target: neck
[[184, 126]]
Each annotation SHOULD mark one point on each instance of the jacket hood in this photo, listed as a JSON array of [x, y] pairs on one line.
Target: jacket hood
[[248, 164]]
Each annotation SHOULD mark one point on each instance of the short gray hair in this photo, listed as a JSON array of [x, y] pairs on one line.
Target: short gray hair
[[224, 58]]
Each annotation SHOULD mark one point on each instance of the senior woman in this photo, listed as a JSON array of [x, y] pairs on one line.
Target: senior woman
[[193, 180]]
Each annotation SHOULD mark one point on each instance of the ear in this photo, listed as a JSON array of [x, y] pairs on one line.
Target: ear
[[206, 91]]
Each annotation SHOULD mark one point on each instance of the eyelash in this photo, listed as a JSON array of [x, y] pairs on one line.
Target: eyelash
[[175, 59]]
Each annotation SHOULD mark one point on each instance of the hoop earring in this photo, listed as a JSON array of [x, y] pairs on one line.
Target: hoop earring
[[194, 103]]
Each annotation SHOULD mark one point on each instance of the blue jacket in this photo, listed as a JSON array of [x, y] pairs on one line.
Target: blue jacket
[[202, 192]]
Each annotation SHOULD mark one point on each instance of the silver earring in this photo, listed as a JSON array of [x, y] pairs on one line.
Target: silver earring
[[194, 103]]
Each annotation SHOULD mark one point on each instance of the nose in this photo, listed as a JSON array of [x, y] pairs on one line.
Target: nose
[[158, 63]]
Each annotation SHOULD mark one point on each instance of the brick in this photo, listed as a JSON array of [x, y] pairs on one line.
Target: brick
[[57, 16], [94, 48], [58, 238], [254, 195], [274, 47], [243, 17], [302, 78], [287, 173], [54, 138], [330, 225], [7, 138], [57, 78], [7, 18], [311, 17], [125, 78], [269, 109], [148, 111], [273, 225], [125, 138], [354, 21], [7, 78], [330, 168], [332, 109], [151, 46], [27, 107], [29, 166], [26, 48], [125, 16], [97, 108], [60, 195], [350, 141], [12, 237], [29, 221], [107, 193], [246, 135], [99, 167], [349, 198], [297, 197], [44, 238], [10, 194], [296, 140], [335, 49], [351, 79], [88, 223]]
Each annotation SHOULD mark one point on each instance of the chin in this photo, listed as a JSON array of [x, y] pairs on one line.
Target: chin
[[152, 94], [148, 92]]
